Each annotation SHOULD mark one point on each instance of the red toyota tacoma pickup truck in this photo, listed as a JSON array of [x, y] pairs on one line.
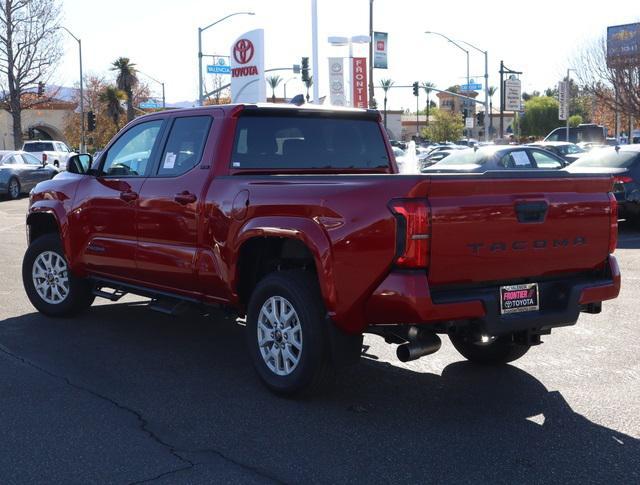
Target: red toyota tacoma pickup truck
[[296, 218]]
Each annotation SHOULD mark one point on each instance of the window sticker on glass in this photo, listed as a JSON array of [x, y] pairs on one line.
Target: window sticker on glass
[[521, 159], [169, 160], [236, 164]]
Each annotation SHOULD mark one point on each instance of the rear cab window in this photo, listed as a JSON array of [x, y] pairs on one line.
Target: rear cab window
[[308, 141], [38, 147]]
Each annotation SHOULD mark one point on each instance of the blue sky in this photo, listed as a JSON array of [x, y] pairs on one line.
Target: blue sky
[[160, 36]]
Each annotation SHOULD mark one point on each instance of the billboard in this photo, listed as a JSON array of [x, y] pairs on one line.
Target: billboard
[[623, 45], [359, 97], [336, 81], [380, 44], [247, 68]]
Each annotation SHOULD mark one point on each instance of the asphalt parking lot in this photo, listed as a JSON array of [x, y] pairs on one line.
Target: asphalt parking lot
[[126, 395]]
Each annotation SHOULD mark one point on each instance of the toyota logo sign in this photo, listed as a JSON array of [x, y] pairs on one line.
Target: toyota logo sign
[[243, 51]]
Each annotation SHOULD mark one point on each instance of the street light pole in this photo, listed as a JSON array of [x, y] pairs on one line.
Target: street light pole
[[200, 31], [285, 86], [314, 50], [486, 88], [164, 104], [83, 145], [466, 51]]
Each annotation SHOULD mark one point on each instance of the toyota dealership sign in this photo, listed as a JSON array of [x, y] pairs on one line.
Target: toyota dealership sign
[[247, 68]]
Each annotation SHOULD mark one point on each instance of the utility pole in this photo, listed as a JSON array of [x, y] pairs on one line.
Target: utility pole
[[371, 92], [314, 44]]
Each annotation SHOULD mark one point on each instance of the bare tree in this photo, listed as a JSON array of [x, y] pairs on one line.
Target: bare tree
[[29, 49], [615, 85]]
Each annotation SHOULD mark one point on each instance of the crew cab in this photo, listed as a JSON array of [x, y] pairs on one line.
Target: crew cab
[[296, 218], [53, 152]]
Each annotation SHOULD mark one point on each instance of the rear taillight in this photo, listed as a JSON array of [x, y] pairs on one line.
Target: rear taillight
[[413, 232], [622, 180], [613, 223]]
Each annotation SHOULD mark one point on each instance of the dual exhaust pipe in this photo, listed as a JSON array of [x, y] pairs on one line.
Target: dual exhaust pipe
[[425, 343]]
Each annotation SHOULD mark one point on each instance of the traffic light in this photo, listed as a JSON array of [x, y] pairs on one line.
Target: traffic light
[[480, 118], [40, 89], [91, 121], [304, 68], [415, 88]]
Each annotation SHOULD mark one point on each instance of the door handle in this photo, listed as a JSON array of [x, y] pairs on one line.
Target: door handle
[[128, 196], [185, 198], [531, 212]]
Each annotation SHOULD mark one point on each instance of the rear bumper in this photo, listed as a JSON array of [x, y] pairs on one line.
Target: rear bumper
[[404, 297]]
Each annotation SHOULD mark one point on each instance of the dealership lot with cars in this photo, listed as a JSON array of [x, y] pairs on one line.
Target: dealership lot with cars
[[124, 394]]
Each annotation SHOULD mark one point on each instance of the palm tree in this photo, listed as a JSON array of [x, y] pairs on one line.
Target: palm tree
[[308, 83], [386, 84], [273, 82], [427, 87], [492, 90], [126, 81], [112, 97]]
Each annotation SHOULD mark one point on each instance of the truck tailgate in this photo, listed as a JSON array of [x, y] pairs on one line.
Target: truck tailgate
[[497, 229]]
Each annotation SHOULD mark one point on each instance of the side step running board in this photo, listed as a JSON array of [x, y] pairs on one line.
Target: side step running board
[[115, 295], [169, 307]]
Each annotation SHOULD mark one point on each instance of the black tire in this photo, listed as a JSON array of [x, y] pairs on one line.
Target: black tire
[[315, 370], [80, 295], [12, 194], [501, 351]]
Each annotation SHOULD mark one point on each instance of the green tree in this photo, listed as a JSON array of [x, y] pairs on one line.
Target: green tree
[[386, 84], [112, 98], [305, 77], [446, 126], [575, 120], [540, 116], [273, 82], [126, 81], [427, 87]]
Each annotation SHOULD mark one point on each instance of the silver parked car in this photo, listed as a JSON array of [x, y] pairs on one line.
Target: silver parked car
[[20, 172]]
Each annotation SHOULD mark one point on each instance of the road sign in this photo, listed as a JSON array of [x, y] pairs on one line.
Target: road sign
[[220, 66], [562, 99], [512, 94], [471, 87], [468, 122], [150, 104]]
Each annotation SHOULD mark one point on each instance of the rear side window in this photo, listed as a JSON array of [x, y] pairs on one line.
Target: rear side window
[[607, 157], [39, 147], [295, 142], [516, 160], [185, 145]]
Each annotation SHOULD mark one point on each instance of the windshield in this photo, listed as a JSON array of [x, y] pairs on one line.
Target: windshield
[[569, 149], [607, 158], [308, 142], [465, 157], [38, 147]]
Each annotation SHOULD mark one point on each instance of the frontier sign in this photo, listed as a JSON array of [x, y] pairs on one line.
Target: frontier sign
[[359, 80], [247, 68]]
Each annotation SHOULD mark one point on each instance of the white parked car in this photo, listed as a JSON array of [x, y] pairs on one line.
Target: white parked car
[[55, 153]]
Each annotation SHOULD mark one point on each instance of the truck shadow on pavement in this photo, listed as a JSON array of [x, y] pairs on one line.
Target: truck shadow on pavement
[[192, 383], [628, 236]]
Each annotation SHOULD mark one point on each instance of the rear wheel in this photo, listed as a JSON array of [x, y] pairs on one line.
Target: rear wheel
[[287, 335], [49, 284], [13, 189], [500, 350]]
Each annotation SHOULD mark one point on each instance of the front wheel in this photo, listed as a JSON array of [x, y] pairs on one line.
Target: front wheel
[[49, 284], [287, 335], [13, 189], [500, 350]]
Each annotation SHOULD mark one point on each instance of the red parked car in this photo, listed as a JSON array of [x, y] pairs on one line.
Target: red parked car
[[296, 218]]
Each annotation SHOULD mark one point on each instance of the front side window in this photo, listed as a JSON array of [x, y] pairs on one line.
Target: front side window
[[308, 142], [129, 155], [185, 145], [545, 161]]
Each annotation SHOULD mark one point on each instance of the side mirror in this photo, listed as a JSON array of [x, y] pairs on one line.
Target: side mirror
[[79, 164]]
